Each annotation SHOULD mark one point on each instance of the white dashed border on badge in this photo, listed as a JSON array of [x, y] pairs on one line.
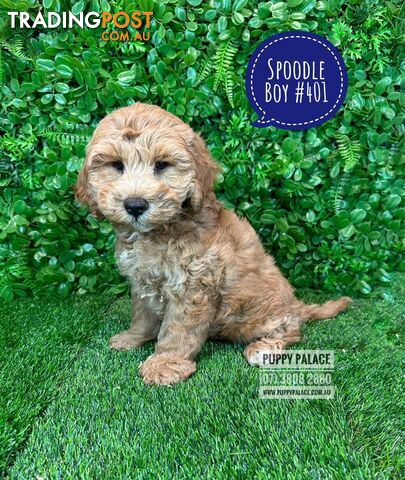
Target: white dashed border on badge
[[301, 123]]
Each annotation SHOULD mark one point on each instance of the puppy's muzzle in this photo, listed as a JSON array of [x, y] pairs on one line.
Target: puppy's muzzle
[[136, 206]]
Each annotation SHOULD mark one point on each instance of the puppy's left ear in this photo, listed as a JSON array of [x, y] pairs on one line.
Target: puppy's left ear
[[205, 170]]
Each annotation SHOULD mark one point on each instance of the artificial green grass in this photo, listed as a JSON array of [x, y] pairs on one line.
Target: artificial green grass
[[39, 340], [103, 423]]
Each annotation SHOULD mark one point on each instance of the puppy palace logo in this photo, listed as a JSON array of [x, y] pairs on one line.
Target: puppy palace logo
[[116, 27], [296, 374]]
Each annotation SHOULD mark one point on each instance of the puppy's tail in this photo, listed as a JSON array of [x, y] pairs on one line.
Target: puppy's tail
[[321, 312]]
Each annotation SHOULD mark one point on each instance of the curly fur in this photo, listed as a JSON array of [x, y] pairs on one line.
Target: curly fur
[[197, 271]]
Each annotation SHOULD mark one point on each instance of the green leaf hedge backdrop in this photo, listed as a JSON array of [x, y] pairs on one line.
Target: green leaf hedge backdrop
[[326, 201]]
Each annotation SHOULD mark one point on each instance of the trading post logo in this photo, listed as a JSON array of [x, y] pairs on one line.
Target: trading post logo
[[114, 25]]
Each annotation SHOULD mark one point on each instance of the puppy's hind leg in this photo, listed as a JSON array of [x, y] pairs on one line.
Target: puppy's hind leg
[[275, 342], [287, 332]]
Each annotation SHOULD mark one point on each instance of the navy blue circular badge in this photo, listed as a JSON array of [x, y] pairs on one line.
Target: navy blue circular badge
[[296, 80]]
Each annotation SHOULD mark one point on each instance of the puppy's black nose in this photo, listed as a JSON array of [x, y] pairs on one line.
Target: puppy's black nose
[[136, 206]]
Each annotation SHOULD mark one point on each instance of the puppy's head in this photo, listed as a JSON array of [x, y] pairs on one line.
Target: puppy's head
[[143, 167]]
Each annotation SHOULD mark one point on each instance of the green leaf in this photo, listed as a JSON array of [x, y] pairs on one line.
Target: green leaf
[[63, 290], [45, 65], [360, 75], [62, 87], [64, 71], [238, 18], [381, 85], [282, 225], [192, 26], [364, 287], [60, 99], [78, 7], [126, 78], [167, 17], [301, 247], [335, 171], [392, 201], [348, 231], [146, 5], [307, 6], [268, 219], [238, 5], [45, 99], [20, 207], [194, 3], [310, 216], [358, 215], [294, 3], [6, 292], [288, 145], [180, 13]]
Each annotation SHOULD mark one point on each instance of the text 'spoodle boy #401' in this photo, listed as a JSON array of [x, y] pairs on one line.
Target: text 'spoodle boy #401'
[[197, 271]]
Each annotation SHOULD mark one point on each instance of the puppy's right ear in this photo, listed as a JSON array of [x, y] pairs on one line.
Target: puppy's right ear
[[82, 189], [205, 170]]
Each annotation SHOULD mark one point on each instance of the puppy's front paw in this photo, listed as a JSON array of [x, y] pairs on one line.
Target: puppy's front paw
[[166, 369], [124, 341]]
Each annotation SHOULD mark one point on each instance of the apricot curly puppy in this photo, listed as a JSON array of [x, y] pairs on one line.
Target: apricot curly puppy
[[197, 271]]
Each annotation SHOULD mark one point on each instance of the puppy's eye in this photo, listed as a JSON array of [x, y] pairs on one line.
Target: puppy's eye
[[160, 166], [118, 165]]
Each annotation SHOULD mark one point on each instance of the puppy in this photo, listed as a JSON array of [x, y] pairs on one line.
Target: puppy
[[196, 270]]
